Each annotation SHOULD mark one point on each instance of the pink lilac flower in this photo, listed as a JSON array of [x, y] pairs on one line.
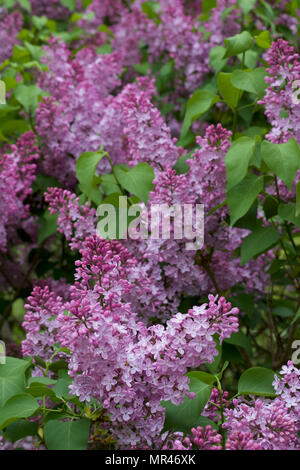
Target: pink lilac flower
[[268, 421], [11, 25], [17, 172], [220, 27], [51, 8], [242, 440], [40, 323], [287, 385], [200, 439], [280, 101], [114, 358], [212, 407], [69, 122], [75, 221]]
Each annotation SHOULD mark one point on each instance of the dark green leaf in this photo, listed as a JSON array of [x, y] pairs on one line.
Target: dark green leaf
[[70, 435], [249, 187], [18, 406], [262, 239]]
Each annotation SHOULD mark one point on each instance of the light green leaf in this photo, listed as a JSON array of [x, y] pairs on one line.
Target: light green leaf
[[137, 181], [282, 159], [257, 381], [25, 4], [229, 92], [198, 104], [70, 4], [216, 55], [237, 160], [239, 43], [86, 170], [252, 81], [246, 5], [28, 96], [264, 39]]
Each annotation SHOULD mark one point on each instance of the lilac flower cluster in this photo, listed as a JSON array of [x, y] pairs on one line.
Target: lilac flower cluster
[[202, 439], [17, 172], [11, 24], [115, 358], [282, 104], [263, 423]]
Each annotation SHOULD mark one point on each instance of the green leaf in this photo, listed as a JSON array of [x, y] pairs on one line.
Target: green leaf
[[283, 312], [239, 339], [181, 167], [257, 381], [207, 5], [296, 317], [205, 377], [246, 5], [2, 92], [12, 378], [252, 81], [25, 4], [237, 160], [39, 22], [18, 406], [270, 207], [216, 55], [48, 226], [239, 43], [257, 242], [249, 187], [70, 4], [186, 415], [229, 92], [137, 181], [264, 39], [71, 435], [86, 168], [61, 389], [17, 309], [40, 390], [41, 381], [19, 429], [288, 212], [109, 184], [198, 104], [28, 95], [150, 9], [297, 212], [282, 159], [244, 302], [35, 51]]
